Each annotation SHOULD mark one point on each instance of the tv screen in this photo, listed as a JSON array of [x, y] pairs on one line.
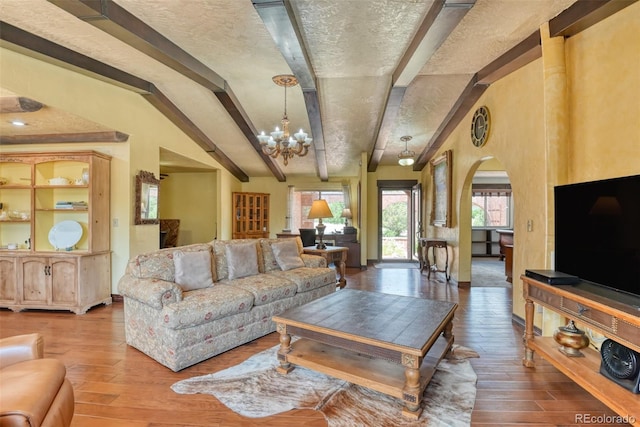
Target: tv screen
[[597, 232]]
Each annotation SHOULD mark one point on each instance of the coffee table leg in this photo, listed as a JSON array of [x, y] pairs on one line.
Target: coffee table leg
[[285, 347], [411, 394]]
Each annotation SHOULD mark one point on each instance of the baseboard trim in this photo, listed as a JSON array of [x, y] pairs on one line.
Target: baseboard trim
[[117, 298]]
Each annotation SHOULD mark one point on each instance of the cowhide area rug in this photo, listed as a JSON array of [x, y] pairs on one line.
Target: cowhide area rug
[[255, 389]]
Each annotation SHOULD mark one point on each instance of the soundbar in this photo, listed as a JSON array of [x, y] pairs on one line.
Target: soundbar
[[552, 277]]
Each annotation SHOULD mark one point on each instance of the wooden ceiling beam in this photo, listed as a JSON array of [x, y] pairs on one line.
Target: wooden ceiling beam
[[108, 136], [280, 21], [584, 14], [18, 104]]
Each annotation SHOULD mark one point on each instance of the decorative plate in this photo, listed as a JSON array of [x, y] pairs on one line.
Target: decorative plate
[[480, 126], [65, 234]]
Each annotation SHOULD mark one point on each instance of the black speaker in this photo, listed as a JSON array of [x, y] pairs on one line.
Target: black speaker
[[621, 365]]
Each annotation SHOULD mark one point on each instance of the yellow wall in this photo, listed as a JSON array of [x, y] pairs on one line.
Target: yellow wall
[[603, 120], [192, 198]]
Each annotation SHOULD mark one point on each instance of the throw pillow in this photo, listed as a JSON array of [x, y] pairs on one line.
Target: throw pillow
[[286, 254], [242, 259], [193, 269]]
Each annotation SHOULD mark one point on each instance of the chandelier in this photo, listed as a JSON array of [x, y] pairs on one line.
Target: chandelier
[[406, 157], [280, 142]]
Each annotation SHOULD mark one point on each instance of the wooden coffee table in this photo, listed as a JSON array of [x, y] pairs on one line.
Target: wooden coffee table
[[388, 343]]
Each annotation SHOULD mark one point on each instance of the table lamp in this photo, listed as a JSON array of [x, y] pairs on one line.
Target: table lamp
[[346, 214], [320, 209]]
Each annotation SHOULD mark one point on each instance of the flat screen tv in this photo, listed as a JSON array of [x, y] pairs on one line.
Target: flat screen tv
[[597, 233]]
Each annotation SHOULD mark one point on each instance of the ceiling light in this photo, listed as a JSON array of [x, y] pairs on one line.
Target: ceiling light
[[18, 123], [280, 141], [406, 157]]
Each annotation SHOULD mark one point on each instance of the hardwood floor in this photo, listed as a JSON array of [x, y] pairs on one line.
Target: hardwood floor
[[116, 385]]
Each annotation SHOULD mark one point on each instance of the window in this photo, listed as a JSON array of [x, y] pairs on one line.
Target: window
[[301, 205], [491, 208]]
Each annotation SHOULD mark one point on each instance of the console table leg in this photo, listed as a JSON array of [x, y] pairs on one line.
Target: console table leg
[[528, 334]]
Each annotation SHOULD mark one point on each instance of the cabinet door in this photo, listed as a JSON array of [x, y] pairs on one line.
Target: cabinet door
[[33, 276], [7, 280], [63, 276]]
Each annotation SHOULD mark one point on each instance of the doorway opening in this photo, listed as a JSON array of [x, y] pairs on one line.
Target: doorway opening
[[398, 220]]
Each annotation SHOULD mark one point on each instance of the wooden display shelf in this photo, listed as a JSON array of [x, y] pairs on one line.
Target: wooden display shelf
[[613, 319], [585, 371]]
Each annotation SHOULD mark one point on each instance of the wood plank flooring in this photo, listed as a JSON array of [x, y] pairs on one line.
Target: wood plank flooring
[[116, 385]]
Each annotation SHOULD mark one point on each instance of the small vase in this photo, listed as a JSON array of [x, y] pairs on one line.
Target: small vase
[[571, 340], [85, 175]]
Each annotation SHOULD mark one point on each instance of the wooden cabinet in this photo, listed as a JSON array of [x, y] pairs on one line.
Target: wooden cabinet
[[36, 273], [250, 215], [615, 320]]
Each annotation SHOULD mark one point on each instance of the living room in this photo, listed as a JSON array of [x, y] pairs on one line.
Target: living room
[[569, 116]]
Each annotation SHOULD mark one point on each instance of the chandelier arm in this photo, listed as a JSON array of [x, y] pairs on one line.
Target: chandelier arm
[[271, 151]]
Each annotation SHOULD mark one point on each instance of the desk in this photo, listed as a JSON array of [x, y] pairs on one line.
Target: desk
[[425, 244], [333, 254]]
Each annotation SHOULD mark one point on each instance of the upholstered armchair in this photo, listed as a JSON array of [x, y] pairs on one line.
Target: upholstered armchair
[[35, 391]]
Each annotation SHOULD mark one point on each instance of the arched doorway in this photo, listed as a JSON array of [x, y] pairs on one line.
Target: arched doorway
[[486, 215]]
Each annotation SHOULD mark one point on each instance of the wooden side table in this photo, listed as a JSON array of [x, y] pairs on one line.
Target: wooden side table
[[425, 244], [333, 254]]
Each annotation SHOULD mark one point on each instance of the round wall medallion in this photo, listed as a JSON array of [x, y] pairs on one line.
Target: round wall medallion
[[480, 126]]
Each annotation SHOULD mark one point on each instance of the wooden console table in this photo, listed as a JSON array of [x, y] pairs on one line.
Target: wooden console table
[[425, 244], [333, 254], [615, 320]]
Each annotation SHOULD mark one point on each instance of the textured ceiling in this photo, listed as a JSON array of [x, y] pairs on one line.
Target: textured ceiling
[[353, 46]]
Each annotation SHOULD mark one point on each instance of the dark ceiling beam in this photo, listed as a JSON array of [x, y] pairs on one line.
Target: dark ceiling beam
[[178, 118], [108, 136], [124, 26], [517, 57], [27, 43], [463, 105], [117, 21], [438, 23], [392, 106], [584, 14], [280, 21], [18, 104]]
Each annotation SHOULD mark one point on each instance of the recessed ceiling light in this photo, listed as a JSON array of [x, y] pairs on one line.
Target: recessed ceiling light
[[18, 123]]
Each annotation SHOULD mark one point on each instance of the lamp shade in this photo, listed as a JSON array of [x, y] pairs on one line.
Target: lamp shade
[[320, 209], [346, 213]]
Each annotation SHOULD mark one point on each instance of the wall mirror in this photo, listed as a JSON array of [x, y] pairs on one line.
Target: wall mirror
[[147, 194]]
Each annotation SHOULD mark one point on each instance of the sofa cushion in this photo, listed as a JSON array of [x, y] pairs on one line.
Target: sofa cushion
[[269, 260], [220, 255], [159, 264], [242, 260], [265, 288], [308, 278], [206, 305], [31, 387], [192, 269], [286, 254]]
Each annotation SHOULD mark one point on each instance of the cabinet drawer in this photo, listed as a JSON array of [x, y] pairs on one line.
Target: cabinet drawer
[[589, 315], [544, 297]]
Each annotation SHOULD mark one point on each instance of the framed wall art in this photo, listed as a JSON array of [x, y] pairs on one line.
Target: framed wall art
[[441, 198]]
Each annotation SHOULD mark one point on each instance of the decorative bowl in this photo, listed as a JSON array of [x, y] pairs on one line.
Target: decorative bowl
[[59, 181], [571, 340], [3, 180]]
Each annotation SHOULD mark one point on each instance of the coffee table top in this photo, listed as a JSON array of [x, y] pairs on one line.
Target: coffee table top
[[375, 318]]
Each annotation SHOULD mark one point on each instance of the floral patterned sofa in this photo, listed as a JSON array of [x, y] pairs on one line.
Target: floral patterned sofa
[[186, 304]]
